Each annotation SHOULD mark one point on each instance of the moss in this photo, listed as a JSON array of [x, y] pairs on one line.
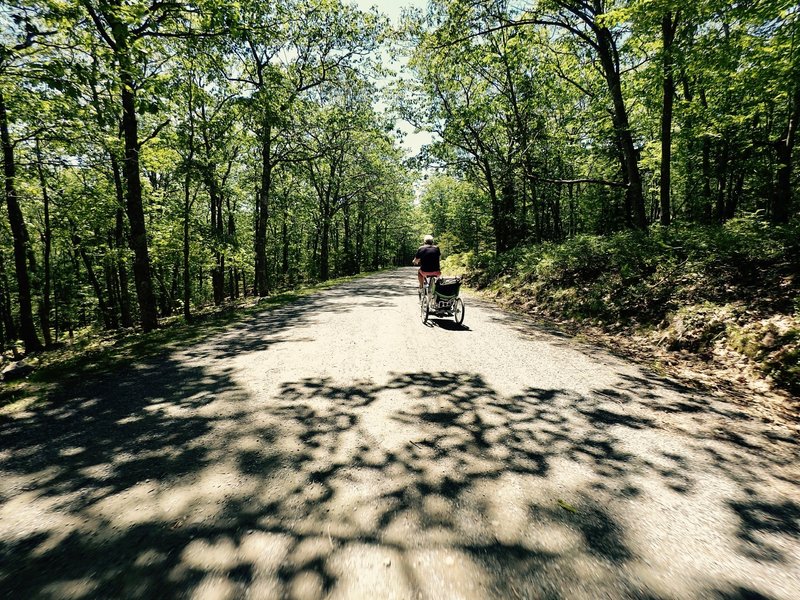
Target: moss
[[743, 342]]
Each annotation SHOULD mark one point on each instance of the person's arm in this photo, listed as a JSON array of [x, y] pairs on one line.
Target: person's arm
[[416, 258]]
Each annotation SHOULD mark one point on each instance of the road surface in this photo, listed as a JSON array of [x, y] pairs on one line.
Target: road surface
[[339, 448]]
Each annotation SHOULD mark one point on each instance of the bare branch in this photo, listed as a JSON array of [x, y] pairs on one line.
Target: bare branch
[[618, 184], [154, 133], [99, 24]]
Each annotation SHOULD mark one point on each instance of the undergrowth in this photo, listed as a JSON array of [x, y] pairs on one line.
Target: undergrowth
[[691, 287]]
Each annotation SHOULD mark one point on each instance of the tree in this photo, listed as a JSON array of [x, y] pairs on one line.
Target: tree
[[27, 31], [124, 28]]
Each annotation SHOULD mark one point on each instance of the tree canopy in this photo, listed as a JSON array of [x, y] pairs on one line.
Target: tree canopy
[[160, 156]]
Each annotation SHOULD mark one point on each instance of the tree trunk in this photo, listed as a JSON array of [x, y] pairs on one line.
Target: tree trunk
[[722, 180], [5, 303], [133, 190], [47, 240], [122, 271], [285, 248], [98, 290], [706, 159], [507, 207], [20, 234], [218, 272], [112, 287], [188, 201], [607, 51], [668, 27], [262, 285], [376, 259], [324, 269], [497, 220], [360, 226], [782, 205], [230, 234], [348, 243]]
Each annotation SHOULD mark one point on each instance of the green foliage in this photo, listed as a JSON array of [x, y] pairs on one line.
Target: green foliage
[[641, 277], [694, 285], [254, 123]]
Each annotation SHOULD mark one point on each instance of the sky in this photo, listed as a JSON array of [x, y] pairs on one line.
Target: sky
[[413, 140], [391, 8]]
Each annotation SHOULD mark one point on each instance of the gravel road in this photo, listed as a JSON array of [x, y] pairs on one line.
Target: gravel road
[[339, 448]]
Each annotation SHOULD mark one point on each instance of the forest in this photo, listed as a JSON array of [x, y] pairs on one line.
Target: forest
[[160, 156], [621, 165], [612, 160]]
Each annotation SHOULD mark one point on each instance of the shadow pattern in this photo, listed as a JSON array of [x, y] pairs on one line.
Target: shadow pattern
[[169, 480]]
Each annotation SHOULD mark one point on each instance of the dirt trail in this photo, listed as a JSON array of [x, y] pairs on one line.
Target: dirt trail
[[339, 448]]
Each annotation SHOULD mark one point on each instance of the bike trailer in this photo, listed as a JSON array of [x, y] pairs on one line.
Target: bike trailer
[[447, 288]]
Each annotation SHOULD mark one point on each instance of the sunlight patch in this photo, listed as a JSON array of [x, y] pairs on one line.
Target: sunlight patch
[[205, 555], [214, 587], [75, 588]]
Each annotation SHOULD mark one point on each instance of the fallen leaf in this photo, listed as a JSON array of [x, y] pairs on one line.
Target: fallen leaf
[[566, 506]]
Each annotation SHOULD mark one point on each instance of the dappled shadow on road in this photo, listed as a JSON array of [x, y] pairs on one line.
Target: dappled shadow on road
[[171, 481], [263, 330]]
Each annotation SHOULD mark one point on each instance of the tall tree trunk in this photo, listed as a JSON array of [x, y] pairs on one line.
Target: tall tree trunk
[[218, 272], [187, 210], [142, 275], [262, 285], [98, 290], [706, 160], [784, 147], [285, 247], [668, 28], [173, 290], [324, 268], [47, 240], [507, 207], [722, 180], [607, 51], [348, 242], [230, 233], [122, 270], [187, 279], [112, 287], [497, 217], [360, 226], [376, 261], [5, 303], [20, 234]]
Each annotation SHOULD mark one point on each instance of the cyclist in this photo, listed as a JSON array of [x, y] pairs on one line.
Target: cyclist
[[428, 260]]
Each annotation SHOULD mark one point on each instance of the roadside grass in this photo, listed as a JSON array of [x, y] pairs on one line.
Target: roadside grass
[[94, 352]]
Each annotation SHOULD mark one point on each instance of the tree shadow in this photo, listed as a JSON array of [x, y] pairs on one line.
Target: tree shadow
[[764, 525], [171, 480]]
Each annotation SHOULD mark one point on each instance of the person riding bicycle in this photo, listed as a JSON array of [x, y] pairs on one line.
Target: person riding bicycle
[[428, 260]]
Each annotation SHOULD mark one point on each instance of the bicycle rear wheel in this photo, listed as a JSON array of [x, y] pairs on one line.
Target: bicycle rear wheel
[[458, 311]]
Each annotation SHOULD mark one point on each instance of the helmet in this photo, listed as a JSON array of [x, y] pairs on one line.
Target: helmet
[[429, 240]]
